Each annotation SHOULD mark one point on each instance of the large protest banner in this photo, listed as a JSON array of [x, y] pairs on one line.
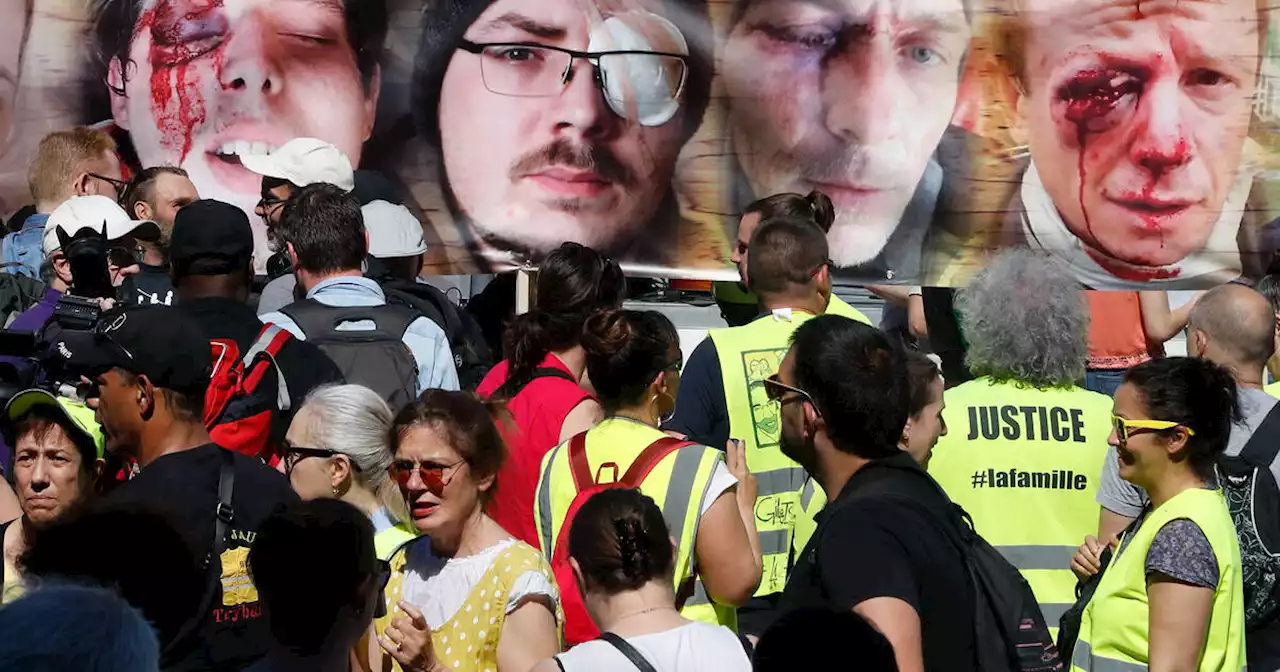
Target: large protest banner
[[1133, 139]]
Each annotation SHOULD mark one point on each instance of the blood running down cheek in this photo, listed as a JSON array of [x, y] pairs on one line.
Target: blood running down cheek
[[183, 33], [1090, 98]]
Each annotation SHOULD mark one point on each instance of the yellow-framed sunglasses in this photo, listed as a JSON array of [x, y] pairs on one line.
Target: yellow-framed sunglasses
[[1126, 428]]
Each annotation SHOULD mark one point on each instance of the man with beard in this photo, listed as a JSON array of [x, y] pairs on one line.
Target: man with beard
[[850, 97], [155, 195], [842, 394], [723, 394], [199, 84], [545, 136]]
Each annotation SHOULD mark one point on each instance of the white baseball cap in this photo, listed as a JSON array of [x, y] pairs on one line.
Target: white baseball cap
[[87, 212], [305, 161], [393, 231]]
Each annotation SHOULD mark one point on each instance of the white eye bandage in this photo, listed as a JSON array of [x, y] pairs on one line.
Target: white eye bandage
[[642, 87]]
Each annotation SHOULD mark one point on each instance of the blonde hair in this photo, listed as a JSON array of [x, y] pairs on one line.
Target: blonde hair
[[60, 156]]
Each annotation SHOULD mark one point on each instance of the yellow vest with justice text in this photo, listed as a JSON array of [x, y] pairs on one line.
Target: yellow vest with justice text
[[1115, 629], [1025, 463], [678, 485]]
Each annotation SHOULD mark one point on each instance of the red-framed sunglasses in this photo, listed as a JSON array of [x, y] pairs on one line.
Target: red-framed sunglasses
[[431, 473]]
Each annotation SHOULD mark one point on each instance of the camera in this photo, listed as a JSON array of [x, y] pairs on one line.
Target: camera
[[43, 362]]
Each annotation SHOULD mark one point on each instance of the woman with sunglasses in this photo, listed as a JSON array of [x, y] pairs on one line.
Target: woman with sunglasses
[[634, 359], [339, 446], [468, 597], [1171, 597]]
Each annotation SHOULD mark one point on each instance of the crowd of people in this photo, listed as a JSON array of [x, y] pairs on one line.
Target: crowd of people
[[210, 471]]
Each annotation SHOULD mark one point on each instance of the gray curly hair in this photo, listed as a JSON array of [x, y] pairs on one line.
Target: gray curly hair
[[1025, 320]]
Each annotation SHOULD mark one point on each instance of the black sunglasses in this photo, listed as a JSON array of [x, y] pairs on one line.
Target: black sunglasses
[[292, 455], [776, 390]]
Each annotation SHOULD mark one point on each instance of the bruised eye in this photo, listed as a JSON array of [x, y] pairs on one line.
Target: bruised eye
[[182, 31], [1094, 94], [805, 38]]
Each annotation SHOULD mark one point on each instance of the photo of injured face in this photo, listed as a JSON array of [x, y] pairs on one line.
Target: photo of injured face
[[852, 98], [199, 83], [1140, 170], [562, 120]]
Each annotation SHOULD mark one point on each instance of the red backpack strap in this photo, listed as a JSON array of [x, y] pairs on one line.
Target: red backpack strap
[[578, 466], [649, 458], [270, 341], [223, 381]]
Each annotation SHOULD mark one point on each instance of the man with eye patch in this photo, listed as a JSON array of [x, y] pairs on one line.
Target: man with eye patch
[[545, 133], [198, 84], [1136, 116], [851, 98]]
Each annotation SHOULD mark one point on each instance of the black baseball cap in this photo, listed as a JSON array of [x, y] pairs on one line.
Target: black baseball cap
[[213, 231], [155, 341]]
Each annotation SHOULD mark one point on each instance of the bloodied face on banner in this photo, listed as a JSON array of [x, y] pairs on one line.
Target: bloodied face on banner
[[199, 83], [850, 97], [562, 120], [1136, 114]]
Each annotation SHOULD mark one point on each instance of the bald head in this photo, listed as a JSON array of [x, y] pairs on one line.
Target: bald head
[[1238, 324]]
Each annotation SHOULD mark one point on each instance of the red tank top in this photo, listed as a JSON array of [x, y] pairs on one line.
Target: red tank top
[[538, 412]]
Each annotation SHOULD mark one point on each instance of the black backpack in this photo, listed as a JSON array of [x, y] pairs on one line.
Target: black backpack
[[471, 355], [1010, 634], [377, 359], [1254, 501]]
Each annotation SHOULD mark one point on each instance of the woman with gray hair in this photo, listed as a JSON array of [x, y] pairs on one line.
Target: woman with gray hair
[[1025, 444], [347, 430]]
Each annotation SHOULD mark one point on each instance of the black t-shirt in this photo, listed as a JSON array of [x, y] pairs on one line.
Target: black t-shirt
[[150, 286], [232, 633], [304, 366], [877, 547]]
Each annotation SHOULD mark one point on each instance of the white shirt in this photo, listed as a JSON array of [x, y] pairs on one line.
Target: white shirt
[[696, 647]]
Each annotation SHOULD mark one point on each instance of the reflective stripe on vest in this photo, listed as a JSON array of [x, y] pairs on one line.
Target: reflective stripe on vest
[[679, 484], [748, 355], [1114, 630], [1082, 658], [1024, 462], [812, 501]]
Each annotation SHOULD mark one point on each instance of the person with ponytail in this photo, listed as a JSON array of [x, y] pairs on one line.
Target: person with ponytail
[[339, 447], [1172, 595], [738, 304], [634, 359], [539, 379], [621, 553], [466, 597]]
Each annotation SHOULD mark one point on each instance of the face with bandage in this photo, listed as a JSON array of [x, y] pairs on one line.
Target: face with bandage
[[1136, 116], [549, 134]]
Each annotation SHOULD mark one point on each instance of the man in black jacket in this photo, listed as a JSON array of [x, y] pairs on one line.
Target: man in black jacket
[[211, 262]]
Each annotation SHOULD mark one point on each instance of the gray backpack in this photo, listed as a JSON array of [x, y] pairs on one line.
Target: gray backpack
[[377, 359]]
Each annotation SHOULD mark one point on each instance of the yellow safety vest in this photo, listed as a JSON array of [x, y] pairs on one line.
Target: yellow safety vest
[[1114, 632], [749, 354], [388, 541], [838, 306], [678, 484], [1273, 389], [1025, 463]]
